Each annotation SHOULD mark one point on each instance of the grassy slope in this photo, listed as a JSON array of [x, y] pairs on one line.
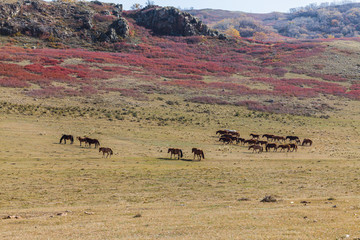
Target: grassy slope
[[176, 199]]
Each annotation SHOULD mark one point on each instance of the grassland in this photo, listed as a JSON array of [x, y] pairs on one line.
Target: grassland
[[70, 192]]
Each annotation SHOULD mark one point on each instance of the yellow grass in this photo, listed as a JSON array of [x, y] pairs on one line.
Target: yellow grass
[[176, 199]]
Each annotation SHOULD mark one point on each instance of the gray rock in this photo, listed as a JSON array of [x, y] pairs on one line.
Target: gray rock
[[171, 21]]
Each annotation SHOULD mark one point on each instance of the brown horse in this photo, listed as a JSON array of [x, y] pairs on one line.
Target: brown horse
[[233, 133], [292, 138], [306, 141], [262, 142], [240, 140], [108, 151], [293, 147], [92, 141], [67, 137], [271, 145], [175, 151], [198, 152], [82, 139], [254, 135], [222, 132], [251, 141], [268, 136], [284, 146], [257, 148], [278, 138], [226, 140]]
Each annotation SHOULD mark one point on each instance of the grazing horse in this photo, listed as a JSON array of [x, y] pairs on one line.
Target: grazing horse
[[306, 141], [226, 140], [222, 132], [268, 136], [92, 141], [242, 140], [293, 146], [198, 152], [175, 151], [278, 138], [262, 142], [284, 146], [233, 133], [254, 135], [108, 151], [257, 148], [226, 136], [82, 139], [292, 138], [67, 137], [251, 141], [271, 145]]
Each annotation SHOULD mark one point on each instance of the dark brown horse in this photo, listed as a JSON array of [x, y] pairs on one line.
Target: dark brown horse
[[240, 140], [82, 140], [255, 135], [222, 132], [257, 148], [306, 141], [293, 147], [67, 137], [284, 146], [262, 142], [198, 152], [278, 138], [104, 150], [271, 145], [268, 136], [251, 141], [92, 141], [292, 138], [234, 133], [175, 151], [226, 140], [226, 136]]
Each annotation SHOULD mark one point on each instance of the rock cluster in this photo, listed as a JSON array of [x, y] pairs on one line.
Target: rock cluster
[[66, 22], [173, 22]]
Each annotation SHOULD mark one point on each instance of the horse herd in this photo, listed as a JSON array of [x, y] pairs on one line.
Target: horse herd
[[272, 141], [87, 142]]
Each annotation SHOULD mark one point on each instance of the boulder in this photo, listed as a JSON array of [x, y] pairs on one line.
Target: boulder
[[173, 22]]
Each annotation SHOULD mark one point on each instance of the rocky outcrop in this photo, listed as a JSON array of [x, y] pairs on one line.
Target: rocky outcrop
[[171, 21], [119, 29], [68, 23]]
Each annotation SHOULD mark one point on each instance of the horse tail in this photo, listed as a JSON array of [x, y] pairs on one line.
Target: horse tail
[[181, 153], [111, 152], [72, 139], [202, 154], [61, 138]]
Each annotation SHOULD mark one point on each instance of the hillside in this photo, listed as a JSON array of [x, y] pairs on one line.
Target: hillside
[[284, 77], [310, 22]]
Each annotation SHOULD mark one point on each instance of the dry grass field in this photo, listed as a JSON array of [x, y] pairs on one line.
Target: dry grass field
[[63, 191]]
